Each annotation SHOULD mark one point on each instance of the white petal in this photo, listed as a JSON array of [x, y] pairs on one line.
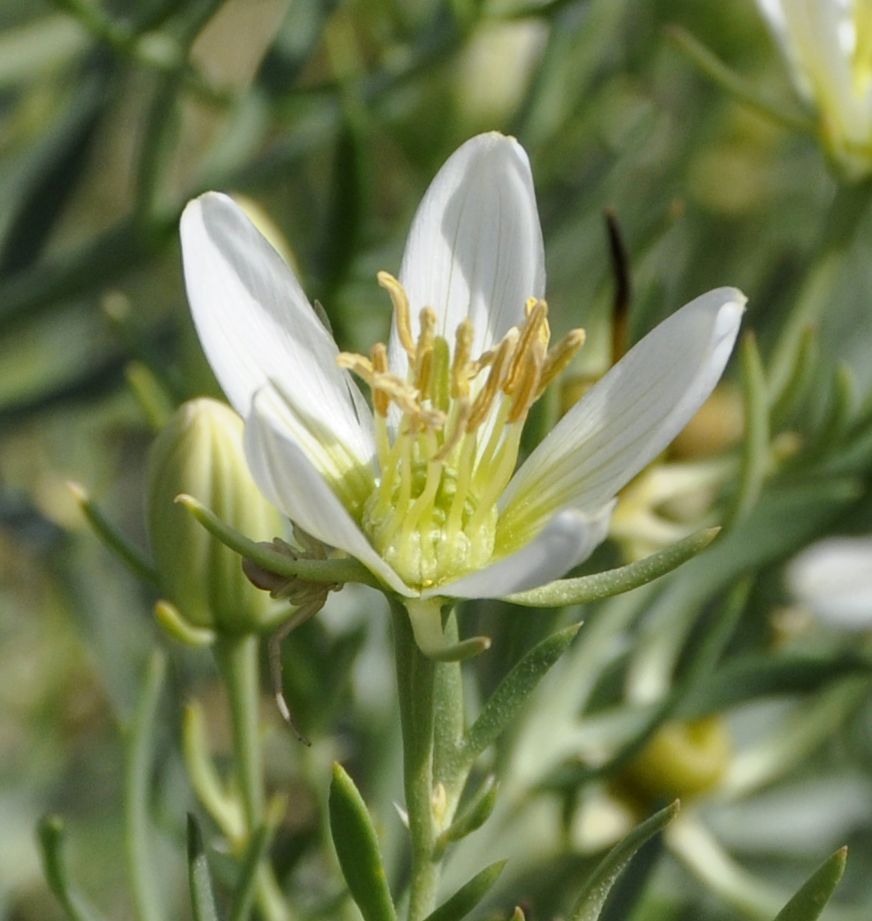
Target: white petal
[[287, 478], [627, 418], [475, 247], [256, 325], [567, 539], [834, 579]]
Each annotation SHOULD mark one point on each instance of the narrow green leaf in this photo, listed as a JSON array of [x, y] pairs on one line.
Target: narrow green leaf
[[357, 849], [601, 585], [596, 890], [801, 376], [471, 818], [51, 840], [716, 70], [755, 445], [199, 877], [338, 571], [511, 693], [811, 899], [110, 536], [243, 897], [759, 675], [468, 895]]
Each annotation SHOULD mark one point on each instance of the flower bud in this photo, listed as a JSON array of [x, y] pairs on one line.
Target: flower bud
[[200, 453], [682, 759]]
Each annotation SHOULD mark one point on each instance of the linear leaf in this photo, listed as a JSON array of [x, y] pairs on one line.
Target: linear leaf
[[596, 890], [357, 849], [468, 895], [813, 896], [199, 877]]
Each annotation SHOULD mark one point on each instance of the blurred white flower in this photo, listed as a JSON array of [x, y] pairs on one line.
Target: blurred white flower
[[828, 47], [833, 578], [422, 489]]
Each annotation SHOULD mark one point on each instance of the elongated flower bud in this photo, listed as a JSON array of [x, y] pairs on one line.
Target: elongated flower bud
[[200, 453]]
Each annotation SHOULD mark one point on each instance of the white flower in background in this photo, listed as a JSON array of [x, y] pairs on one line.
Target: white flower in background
[[828, 47], [422, 489], [833, 578]]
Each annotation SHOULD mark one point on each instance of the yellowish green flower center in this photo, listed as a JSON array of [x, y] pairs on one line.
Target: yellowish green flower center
[[447, 436]]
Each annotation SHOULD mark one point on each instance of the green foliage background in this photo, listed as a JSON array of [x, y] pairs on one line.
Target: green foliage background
[[332, 116]]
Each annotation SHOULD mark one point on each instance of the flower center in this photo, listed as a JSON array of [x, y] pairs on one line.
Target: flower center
[[447, 435]]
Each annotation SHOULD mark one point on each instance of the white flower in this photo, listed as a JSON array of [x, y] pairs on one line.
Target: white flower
[[422, 489], [833, 578], [828, 47]]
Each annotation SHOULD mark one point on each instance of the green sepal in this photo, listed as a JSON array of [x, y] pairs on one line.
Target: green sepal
[[596, 889], [811, 899], [177, 628], [199, 877], [510, 695], [51, 840], [755, 444], [327, 571], [471, 818], [357, 849], [468, 895], [600, 585]]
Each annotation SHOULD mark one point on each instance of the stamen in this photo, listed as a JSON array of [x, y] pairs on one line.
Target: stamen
[[531, 340], [526, 386], [457, 431], [558, 359], [402, 312], [461, 367], [424, 352], [485, 398], [379, 357]]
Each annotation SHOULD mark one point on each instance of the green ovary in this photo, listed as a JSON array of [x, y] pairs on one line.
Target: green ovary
[[429, 536]]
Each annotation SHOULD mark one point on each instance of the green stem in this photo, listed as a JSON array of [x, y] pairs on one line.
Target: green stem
[[415, 685], [238, 662], [237, 659], [139, 751]]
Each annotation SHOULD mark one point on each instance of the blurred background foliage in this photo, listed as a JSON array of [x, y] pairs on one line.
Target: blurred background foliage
[[330, 117]]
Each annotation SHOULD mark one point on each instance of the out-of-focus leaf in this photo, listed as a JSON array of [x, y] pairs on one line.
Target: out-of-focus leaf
[[593, 896], [357, 849], [512, 692], [57, 172], [51, 832], [299, 35], [468, 895], [755, 444], [811, 899], [757, 676], [199, 877]]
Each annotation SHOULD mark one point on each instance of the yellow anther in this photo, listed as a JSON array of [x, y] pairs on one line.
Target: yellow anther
[[379, 357], [533, 341], [486, 395], [424, 351], [557, 360], [402, 313], [526, 386], [461, 367]]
